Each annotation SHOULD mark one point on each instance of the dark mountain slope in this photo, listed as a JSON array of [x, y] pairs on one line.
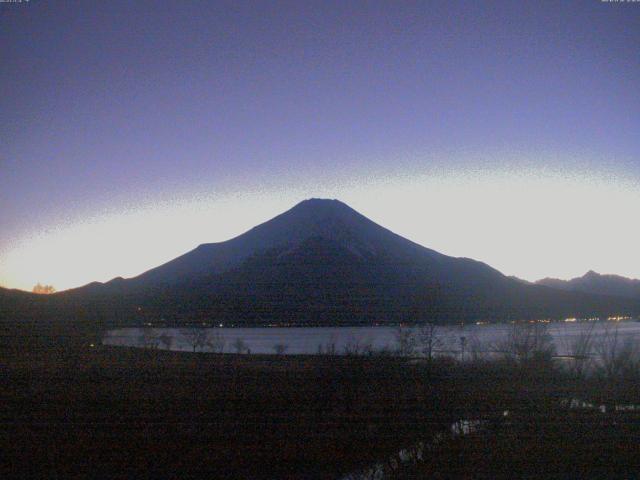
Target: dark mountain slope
[[329, 219], [321, 263], [322, 283], [593, 282], [13, 301]]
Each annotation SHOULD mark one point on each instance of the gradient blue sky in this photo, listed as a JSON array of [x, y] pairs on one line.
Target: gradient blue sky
[[134, 130]]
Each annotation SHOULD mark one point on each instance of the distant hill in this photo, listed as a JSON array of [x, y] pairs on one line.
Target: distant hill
[[15, 294], [593, 282], [321, 263]]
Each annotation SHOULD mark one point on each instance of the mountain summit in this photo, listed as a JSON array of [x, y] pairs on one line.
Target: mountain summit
[[323, 220], [323, 263]]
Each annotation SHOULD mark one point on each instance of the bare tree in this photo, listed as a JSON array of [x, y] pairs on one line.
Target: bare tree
[[217, 342], [239, 345], [617, 356], [357, 346], [149, 338], [528, 341], [427, 340], [280, 348], [463, 346], [580, 348], [367, 348], [406, 340], [328, 348], [197, 337], [477, 348], [166, 340]]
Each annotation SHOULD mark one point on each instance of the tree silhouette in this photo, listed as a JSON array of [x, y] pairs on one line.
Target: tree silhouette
[[197, 337], [280, 348], [44, 289]]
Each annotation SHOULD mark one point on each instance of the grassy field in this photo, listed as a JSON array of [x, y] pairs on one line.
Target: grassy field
[[82, 412]]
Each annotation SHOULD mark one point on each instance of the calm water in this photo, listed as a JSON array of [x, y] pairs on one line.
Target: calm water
[[479, 338]]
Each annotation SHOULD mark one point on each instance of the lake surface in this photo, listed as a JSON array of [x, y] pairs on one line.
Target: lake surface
[[309, 340]]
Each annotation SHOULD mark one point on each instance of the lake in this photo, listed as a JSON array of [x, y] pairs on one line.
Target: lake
[[309, 340]]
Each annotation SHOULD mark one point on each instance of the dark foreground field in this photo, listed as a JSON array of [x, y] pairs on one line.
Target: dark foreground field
[[83, 412]]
